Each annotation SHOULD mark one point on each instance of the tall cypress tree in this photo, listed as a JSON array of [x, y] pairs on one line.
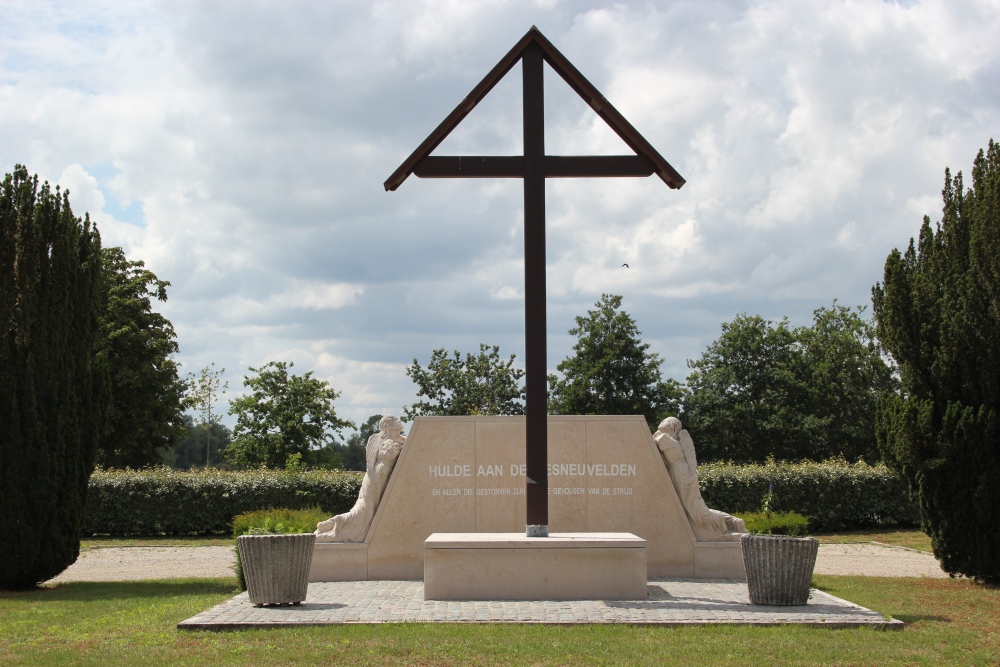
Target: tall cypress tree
[[938, 314], [52, 383]]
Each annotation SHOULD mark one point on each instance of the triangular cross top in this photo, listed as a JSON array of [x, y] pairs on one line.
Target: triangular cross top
[[645, 162], [534, 166]]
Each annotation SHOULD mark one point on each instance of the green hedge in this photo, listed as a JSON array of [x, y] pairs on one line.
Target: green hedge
[[162, 501], [835, 495]]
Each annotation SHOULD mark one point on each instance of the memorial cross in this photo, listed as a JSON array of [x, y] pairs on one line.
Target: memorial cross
[[534, 166]]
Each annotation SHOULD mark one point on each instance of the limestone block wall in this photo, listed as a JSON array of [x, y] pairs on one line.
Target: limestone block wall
[[466, 474]]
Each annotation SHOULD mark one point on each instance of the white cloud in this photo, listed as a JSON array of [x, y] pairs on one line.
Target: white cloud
[[849, 236], [86, 196], [506, 293], [317, 295]]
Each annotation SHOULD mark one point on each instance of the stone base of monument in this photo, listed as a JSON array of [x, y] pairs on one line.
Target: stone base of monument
[[348, 561], [340, 561], [510, 566], [716, 560]]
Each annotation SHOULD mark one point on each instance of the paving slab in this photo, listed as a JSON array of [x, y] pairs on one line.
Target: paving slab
[[668, 602]]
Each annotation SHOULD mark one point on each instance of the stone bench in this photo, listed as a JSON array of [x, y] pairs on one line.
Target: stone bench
[[510, 566]]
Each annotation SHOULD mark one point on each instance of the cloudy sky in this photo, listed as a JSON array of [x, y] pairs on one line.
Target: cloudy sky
[[239, 149]]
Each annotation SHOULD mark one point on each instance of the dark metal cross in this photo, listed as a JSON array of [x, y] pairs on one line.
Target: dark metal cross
[[534, 167]]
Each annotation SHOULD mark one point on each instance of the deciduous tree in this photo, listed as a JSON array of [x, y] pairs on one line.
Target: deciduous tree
[[938, 314], [765, 389], [284, 414], [846, 371], [612, 372], [146, 402], [189, 452], [746, 395], [482, 384], [203, 396]]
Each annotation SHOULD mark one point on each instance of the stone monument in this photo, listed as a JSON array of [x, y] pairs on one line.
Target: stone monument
[[465, 475]]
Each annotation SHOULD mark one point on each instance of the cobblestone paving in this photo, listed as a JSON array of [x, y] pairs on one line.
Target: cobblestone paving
[[668, 602]]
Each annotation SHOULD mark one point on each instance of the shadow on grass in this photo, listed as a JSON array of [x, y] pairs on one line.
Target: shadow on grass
[[82, 591]]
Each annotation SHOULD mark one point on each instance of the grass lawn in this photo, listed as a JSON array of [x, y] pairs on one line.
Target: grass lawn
[[910, 538], [949, 622]]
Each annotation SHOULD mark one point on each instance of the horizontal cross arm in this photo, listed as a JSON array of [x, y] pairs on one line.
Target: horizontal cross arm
[[470, 166], [597, 166], [512, 166]]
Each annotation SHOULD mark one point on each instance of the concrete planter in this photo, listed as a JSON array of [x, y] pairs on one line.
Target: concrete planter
[[276, 567], [779, 569]]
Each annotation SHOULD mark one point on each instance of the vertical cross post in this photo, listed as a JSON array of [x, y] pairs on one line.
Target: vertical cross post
[[536, 403]]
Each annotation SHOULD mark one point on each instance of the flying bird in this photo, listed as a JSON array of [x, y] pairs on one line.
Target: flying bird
[[625, 265]]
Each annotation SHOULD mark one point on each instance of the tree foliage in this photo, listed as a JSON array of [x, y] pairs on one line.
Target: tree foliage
[[53, 383], [189, 452], [284, 414], [765, 389], [203, 396], [746, 395], [146, 401], [612, 372], [480, 384], [938, 313], [352, 454]]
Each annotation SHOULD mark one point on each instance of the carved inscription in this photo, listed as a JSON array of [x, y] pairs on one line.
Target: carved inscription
[[565, 479]]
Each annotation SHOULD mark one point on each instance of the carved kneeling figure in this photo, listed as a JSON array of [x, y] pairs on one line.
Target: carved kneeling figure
[[677, 448], [381, 452]]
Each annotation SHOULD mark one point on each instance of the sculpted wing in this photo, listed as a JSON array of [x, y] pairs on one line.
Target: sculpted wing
[[371, 451], [687, 445]]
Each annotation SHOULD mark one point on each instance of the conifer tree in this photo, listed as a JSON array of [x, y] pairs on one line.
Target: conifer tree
[[938, 314], [52, 384]]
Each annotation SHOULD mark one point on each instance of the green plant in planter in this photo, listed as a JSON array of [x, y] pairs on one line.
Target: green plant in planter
[[776, 523], [767, 502], [281, 521], [769, 522]]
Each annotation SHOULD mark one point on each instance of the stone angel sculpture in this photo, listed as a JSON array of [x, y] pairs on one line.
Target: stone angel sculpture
[[381, 452], [677, 448]]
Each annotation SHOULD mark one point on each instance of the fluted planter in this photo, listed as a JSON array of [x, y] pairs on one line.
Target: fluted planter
[[779, 568], [276, 567]]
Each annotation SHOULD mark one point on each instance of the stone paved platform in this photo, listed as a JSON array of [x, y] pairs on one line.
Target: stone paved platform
[[668, 602]]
